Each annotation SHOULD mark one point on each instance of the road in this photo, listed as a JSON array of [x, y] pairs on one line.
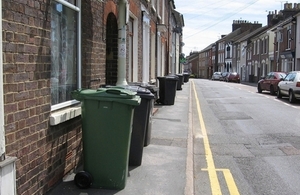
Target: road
[[244, 142]]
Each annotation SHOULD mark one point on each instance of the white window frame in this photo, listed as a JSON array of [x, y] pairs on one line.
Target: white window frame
[[153, 5], [163, 12], [158, 10], [146, 47], [78, 9], [134, 47]]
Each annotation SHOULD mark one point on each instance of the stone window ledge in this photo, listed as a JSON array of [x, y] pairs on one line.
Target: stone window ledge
[[64, 115], [9, 160]]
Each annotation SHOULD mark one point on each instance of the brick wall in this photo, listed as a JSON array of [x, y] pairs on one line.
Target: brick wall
[[44, 153], [93, 42]]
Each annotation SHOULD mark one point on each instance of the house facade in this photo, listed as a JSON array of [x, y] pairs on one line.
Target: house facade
[[253, 50], [52, 47]]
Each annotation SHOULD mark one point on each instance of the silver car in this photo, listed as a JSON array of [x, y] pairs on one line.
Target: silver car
[[216, 76], [290, 86]]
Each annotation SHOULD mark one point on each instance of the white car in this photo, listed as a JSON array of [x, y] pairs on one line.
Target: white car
[[216, 76], [290, 86]]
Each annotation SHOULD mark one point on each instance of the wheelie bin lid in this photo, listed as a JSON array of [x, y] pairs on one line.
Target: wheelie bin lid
[[169, 77], [141, 91], [150, 87], [114, 94]]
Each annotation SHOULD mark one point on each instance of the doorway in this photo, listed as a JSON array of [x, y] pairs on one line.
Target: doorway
[[111, 73]]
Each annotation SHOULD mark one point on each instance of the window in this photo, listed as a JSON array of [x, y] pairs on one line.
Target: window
[[258, 46], [290, 77], [265, 46], [228, 51], [289, 37], [234, 51], [65, 61], [269, 75]]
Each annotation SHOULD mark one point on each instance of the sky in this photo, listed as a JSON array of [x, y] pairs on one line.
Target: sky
[[206, 20]]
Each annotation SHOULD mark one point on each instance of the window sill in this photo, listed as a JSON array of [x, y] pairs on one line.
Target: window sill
[[65, 115], [7, 162]]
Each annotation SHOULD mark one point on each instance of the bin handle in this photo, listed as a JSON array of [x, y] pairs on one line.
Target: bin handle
[[116, 91]]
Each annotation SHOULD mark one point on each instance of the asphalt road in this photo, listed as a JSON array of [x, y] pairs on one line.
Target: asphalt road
[[244, 142]]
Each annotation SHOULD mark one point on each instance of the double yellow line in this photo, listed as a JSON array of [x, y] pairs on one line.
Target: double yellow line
[[211, 169]]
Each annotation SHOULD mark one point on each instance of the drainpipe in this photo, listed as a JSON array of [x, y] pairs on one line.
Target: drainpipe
[[122, 19], [2, 135]]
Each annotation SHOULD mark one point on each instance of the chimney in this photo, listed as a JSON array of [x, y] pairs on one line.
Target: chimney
[[235, 25], [271, 16], [288, 6]]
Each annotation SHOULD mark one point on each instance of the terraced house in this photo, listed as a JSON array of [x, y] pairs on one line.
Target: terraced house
[[52, 47], [253, 50]]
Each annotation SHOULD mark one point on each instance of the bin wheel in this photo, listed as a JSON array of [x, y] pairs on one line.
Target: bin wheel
[[83, 180]]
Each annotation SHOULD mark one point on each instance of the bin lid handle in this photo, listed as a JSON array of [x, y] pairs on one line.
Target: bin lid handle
[[117, 91]]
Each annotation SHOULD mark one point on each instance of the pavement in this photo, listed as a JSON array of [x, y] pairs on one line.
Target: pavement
[[167, 162]]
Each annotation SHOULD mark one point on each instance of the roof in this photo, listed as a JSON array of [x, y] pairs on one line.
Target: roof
[[253, 33], [230, 36], [241, 35], [282, 23], [179, 18], [208, 47]]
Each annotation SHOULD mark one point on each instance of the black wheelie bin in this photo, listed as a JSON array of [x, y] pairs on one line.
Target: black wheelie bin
[[186, 77], [180, 81], [140, 127], [167, 89]]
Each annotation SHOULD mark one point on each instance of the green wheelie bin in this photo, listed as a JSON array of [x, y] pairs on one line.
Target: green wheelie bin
[[107, 116]]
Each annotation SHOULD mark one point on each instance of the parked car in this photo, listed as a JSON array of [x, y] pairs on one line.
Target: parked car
[[270, 82], [216, 76], [223, 76], [290, 86], [233, 77]]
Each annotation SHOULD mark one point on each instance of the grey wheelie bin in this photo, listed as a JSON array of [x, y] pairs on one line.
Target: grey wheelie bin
[[107, 115], [140, 126], [167, 89]]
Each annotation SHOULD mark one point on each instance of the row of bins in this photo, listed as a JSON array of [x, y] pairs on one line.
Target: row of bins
[[116, 126], [168, 85]]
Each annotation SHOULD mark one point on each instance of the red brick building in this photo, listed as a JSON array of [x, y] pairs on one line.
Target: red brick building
[[52, 47]]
